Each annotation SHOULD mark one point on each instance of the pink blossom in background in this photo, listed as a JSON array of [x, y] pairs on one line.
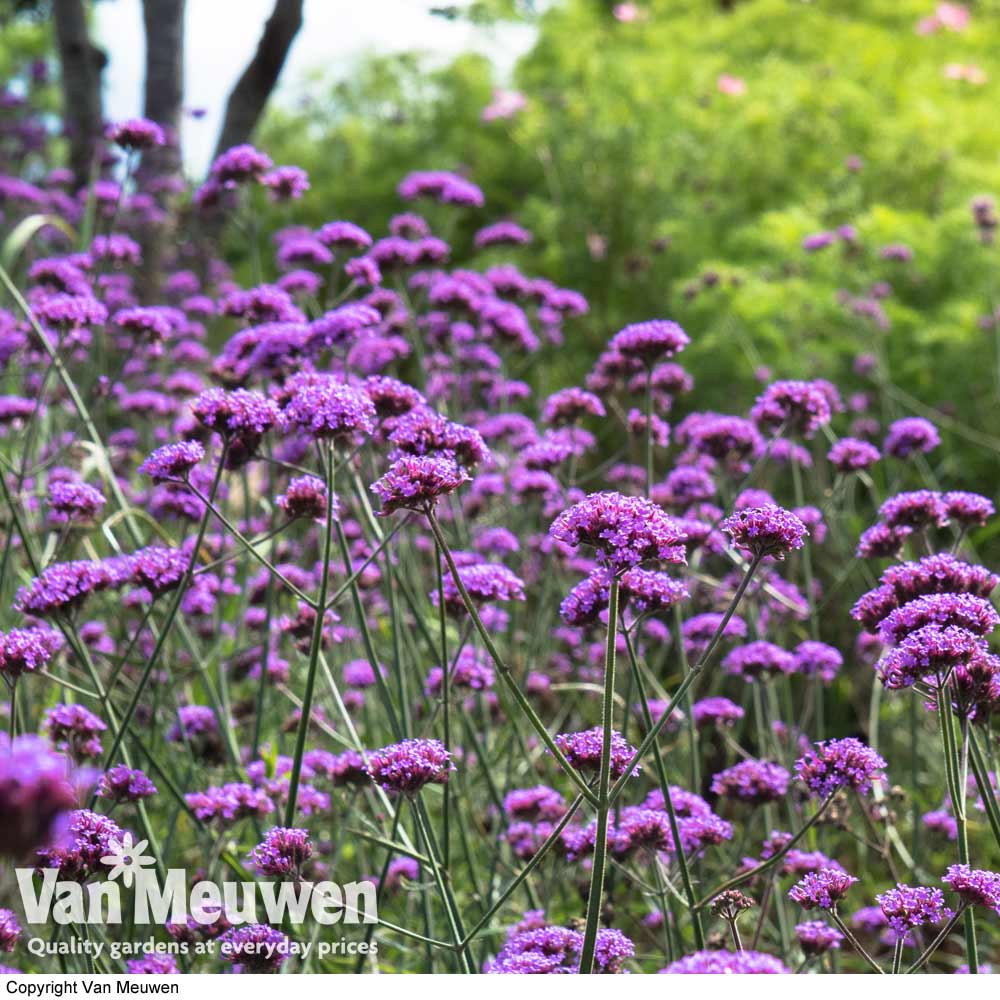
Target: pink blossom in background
[[949, 16], [969, 72], [597, 245], [735, 86], [626, 13], [505, 104]]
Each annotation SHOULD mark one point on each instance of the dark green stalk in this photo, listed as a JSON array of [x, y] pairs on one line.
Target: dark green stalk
[[315, 647], [595, 899]]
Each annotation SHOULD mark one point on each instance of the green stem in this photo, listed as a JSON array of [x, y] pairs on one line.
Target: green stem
[[596, 897], [315, 647], [502, 669]]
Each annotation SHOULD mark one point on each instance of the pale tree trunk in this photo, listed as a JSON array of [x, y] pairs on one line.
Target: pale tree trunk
[[163, 103], [249, 96], [164, 96], [81, 65]]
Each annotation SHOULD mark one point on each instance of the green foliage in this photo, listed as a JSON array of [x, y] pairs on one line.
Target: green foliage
[[628, 142]]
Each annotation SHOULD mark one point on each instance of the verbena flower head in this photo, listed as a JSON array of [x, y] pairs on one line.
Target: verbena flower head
[[816, 937], [63, 588], [568, 406], [123, 784], [974, 886], [26, 650], [821, 890], [71, 502], [907, 907], [650, 341], [36, 795], [909, 436], [650, 591], [172, 461], [325, 407], [970, 510], [548, 950], [442, 186], [238, 165], [583, 751], [78, 856], [626, 531], [974, 614], [752, 781], [800, 407], [853, 455], [136, 133], [765, 531], [10, 930], [929, 653], [417, 482], [758, 660], [286, 183], [817, 659], [918, 509], [835, 764], [76, 730], [152, 965], [255, 948], [727, 963], [406, 767], [306, 498], [282, 852], [716, 711]]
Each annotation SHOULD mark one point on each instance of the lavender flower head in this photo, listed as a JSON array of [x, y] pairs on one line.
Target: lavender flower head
[[583, 751], [727, 963], [909, 436], [255, 948], [626, 531], [123, 784], [907, 907], [282, 852], [172, 461], [976, 887], [835, 764], [974, 614], [853, 455], [406, 767], [417, 482], [36, 795], [306, 498], [330, 409], [716, 711], [25, 650], [816, 937], [821, 890], [752, 781], [136, 133], [650, 341], [800, 407], [765, 531]]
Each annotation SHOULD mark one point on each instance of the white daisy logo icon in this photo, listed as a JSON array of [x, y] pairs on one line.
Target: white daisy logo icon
[[126, 858]]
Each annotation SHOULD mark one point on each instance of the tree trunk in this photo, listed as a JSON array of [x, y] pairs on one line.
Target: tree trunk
[[81, 64], [163, 103], [249, 97], [164, 97]]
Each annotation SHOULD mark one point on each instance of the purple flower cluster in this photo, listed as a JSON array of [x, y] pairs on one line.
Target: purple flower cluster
[[835, 764], [406, 767], [765, 531]]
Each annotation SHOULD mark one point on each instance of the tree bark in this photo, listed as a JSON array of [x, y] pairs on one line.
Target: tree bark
[[249, 96], [164, 91], [81, 65], [163, 103]]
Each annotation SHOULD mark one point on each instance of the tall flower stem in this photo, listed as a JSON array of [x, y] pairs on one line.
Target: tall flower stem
[[897, 955], [596, 897], [956, 767], [167, 626], [502, 669], [693, 674], [443, 882], [315, 646], [855, 943], [661, 773], [446, 703], [649, 430], [770, 862], [928, 952]]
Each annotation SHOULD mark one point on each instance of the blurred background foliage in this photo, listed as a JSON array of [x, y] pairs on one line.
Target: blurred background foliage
[[656, 193]]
